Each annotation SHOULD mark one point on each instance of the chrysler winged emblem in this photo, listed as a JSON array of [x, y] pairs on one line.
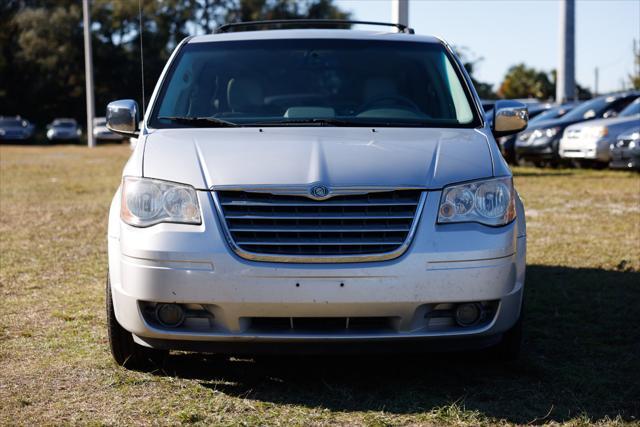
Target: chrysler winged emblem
[[319, 192]]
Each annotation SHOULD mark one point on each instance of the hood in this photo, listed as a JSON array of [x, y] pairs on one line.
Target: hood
[[612, 122], [557, 122], [336, 157]]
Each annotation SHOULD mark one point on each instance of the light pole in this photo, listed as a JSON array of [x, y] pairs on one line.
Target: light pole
[[400, 12], [88, 72], [566, 77]]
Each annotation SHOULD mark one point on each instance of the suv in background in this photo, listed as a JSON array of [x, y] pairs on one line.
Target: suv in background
[[588, 142], [540, 143], [15, 128], [63, 130], [307, 189]]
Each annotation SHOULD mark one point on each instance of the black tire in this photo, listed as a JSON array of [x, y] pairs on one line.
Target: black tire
[[124, 350], [508, 350]]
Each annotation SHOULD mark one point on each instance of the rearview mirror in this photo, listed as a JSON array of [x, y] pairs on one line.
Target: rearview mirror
[[609, 114], [122, 117], [509, 117]]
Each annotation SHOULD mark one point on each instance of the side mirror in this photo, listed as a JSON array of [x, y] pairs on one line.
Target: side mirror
[[509, 117], [122, 117]]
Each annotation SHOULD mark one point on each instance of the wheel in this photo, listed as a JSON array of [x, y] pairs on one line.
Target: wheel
[[124, 350], [509, 348]]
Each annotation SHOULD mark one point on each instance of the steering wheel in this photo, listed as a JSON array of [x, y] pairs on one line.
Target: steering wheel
[[392, 100]]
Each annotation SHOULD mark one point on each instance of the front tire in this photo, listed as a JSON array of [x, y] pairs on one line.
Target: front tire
[[124, 350]]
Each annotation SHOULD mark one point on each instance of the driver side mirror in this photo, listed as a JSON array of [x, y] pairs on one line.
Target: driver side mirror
[[509, 117], [122, 117]]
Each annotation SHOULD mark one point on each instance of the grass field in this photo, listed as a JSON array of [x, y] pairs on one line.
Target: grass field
[[581, 361]]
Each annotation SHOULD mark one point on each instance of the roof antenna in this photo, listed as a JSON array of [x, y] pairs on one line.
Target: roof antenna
[[141, 55]]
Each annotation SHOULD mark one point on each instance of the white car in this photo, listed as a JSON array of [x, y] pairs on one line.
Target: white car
[[101, 133], [589, 142], [299, 190]]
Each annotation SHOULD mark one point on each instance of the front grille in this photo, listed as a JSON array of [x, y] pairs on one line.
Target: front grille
[[574, 133], [372, 223]]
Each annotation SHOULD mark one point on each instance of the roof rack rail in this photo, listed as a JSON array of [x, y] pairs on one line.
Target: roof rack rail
[[227, 28]]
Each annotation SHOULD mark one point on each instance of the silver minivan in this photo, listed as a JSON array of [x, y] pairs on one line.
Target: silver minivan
[[312, 189]]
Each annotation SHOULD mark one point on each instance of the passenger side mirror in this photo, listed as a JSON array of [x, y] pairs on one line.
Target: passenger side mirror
[[122, 117], [509, 117]]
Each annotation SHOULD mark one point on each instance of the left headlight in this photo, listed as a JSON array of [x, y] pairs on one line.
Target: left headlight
[[489, 202], [543, 136], [147, 202]]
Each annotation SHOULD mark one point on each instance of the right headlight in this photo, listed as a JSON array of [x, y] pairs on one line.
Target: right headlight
[[489, 202], [147, 202]]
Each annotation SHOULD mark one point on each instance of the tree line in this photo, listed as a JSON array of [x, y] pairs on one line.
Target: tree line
[[42, 62]]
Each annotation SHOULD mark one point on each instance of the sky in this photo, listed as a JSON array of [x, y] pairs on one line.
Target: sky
[[507, 32]]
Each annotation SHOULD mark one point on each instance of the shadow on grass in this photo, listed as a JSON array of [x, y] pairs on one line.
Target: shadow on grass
[[581, 357]]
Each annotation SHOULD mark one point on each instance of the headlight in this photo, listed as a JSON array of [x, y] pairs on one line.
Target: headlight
[[489, 202], [543, 136], [147, 202]]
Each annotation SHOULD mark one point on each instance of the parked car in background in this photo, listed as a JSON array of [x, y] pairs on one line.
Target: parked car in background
[[554, 112], [63, 130], [101, 133], [289, 211], [507, 143], [625, 151], [589, 142], [15, 128], [540, 142]]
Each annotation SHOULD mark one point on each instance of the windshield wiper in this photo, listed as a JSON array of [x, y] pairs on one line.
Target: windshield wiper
[[312, 121], [200, 121]]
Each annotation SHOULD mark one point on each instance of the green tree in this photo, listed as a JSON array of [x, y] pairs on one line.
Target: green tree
[[524, 82], [634, 78], [41, 46]]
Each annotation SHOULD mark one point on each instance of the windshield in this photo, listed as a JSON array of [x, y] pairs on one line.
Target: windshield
[[552, 113], [10, 122], [64, 124], [632, 109], [338, 82], [589, 109]]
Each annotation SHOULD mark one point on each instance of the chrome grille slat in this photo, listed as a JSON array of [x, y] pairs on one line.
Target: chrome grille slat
[[296, 228], [320, 217], [320, 242], [315, 204], [349, 229]]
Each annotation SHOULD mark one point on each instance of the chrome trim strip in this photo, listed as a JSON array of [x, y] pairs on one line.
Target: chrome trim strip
[[318, 259], [305, 189]]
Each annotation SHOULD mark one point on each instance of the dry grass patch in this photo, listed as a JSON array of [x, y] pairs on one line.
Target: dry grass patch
[[582, 341]]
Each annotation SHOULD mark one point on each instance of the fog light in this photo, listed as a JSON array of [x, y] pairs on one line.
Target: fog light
[[169, 315], [468, 314]]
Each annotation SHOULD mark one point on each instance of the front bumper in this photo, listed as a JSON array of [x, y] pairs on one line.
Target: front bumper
[[585, 149], [185, 264], [536, 152]]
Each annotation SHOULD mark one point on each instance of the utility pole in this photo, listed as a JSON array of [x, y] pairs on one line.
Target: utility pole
[[566, 83], [88, 72], [595, 92], [400, 12]]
